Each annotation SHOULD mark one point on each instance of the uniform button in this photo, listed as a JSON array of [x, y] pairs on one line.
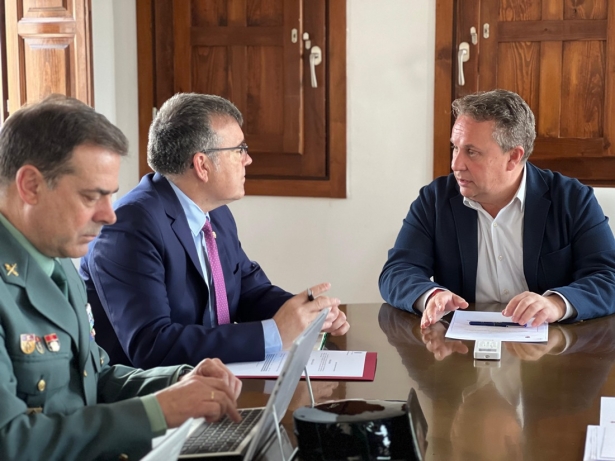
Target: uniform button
[[500, 257], [506, 292], [85, 374], [495, 224], [123, 457], [102, 360], [41, 385]]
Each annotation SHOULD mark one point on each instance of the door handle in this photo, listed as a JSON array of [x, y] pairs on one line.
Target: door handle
[[463, 55], [315, 59]]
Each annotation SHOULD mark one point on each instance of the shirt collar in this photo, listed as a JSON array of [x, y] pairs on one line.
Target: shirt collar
[[195, 216], [520, 195], [45, 262]]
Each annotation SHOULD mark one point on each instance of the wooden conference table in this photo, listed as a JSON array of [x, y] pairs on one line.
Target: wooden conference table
[[535, 405]]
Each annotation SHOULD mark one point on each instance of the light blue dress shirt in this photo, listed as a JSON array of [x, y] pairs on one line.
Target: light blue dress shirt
[[196, 220]]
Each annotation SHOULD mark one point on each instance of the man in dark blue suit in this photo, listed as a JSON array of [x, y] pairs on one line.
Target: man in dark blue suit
[[161, 294], [498, 229]]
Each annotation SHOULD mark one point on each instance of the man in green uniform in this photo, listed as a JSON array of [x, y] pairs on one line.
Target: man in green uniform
[[59, 398]]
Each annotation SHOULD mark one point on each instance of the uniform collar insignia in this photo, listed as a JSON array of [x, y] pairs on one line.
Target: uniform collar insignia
[[11, 269]]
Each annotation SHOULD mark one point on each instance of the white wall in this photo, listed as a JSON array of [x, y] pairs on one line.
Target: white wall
[[302, 241], [114, 27]]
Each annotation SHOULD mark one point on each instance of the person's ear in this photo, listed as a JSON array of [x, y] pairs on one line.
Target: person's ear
[[29, 182], [203, 166], [515, 157]]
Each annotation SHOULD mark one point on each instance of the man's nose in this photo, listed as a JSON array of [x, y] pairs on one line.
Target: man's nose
[[457, 162], [105, 214]]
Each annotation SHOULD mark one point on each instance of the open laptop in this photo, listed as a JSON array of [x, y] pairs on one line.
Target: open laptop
[[418, 426], [167, 447], [238, 441]]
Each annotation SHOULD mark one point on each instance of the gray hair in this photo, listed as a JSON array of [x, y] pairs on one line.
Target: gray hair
[[183, 127], [514, 120], [44, 134]]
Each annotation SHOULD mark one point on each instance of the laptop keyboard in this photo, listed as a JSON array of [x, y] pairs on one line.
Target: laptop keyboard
[[222, 436]]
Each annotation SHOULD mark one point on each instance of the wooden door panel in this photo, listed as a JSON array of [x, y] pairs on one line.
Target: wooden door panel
[[42, 58], [243, 50], [48, 50], [265, 13], [256, 66], [518, 68], [587, 9], [559, 55], [265, 96], [583, 68], [210, 73]]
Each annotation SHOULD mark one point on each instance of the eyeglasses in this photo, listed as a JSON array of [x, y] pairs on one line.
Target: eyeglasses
[[242, 148]]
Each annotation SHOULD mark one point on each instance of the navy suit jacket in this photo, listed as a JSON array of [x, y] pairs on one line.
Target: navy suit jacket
[[568, 245], [147, 291]]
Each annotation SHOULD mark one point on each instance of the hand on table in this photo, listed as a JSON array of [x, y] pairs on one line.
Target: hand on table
[[527, 305], [439, 305]]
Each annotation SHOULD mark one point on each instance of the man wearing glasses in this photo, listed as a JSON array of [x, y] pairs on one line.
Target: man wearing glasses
[[169, 282]]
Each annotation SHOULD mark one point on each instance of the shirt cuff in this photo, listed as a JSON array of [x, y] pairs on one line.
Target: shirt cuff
[[182, 370], [420, 303], [154, 413], [273, 340], [570, 311]]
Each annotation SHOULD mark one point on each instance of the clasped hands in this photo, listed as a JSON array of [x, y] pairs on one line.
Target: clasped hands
[[521, 309], [298, 312]]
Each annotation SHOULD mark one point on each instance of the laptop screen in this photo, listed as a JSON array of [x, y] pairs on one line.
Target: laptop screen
[[286, 383]]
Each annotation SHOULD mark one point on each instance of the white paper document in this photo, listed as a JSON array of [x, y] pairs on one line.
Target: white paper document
[[600, 440], [599, 443], [334, 364], [607, 411], [460, 328]]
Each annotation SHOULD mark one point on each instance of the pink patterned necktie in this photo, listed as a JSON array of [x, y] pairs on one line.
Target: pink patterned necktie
[[217, 275]]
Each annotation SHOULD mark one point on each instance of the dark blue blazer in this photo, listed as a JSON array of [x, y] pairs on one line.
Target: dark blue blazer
[[148, 295], [568, 245]]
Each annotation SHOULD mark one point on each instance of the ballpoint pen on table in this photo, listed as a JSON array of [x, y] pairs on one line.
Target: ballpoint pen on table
[[495, 324]]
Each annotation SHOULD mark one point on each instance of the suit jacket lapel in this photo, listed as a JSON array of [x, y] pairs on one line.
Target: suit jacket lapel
[[534, 222], [177, 218], [466, 232], [43, 294]]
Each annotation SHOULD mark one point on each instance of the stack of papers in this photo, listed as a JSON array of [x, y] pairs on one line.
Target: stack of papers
[[600, 440]]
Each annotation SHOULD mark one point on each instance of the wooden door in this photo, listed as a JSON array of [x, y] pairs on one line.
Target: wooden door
[[48, 50], [253, 52], [559, 55]]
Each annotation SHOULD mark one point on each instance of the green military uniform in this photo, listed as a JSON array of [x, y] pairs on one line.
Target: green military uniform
[[55, 380]]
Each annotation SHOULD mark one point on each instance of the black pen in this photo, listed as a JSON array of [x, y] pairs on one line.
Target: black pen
[[495, 324]]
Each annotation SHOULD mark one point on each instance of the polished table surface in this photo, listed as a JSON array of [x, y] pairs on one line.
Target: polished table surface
[[535, 404]]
